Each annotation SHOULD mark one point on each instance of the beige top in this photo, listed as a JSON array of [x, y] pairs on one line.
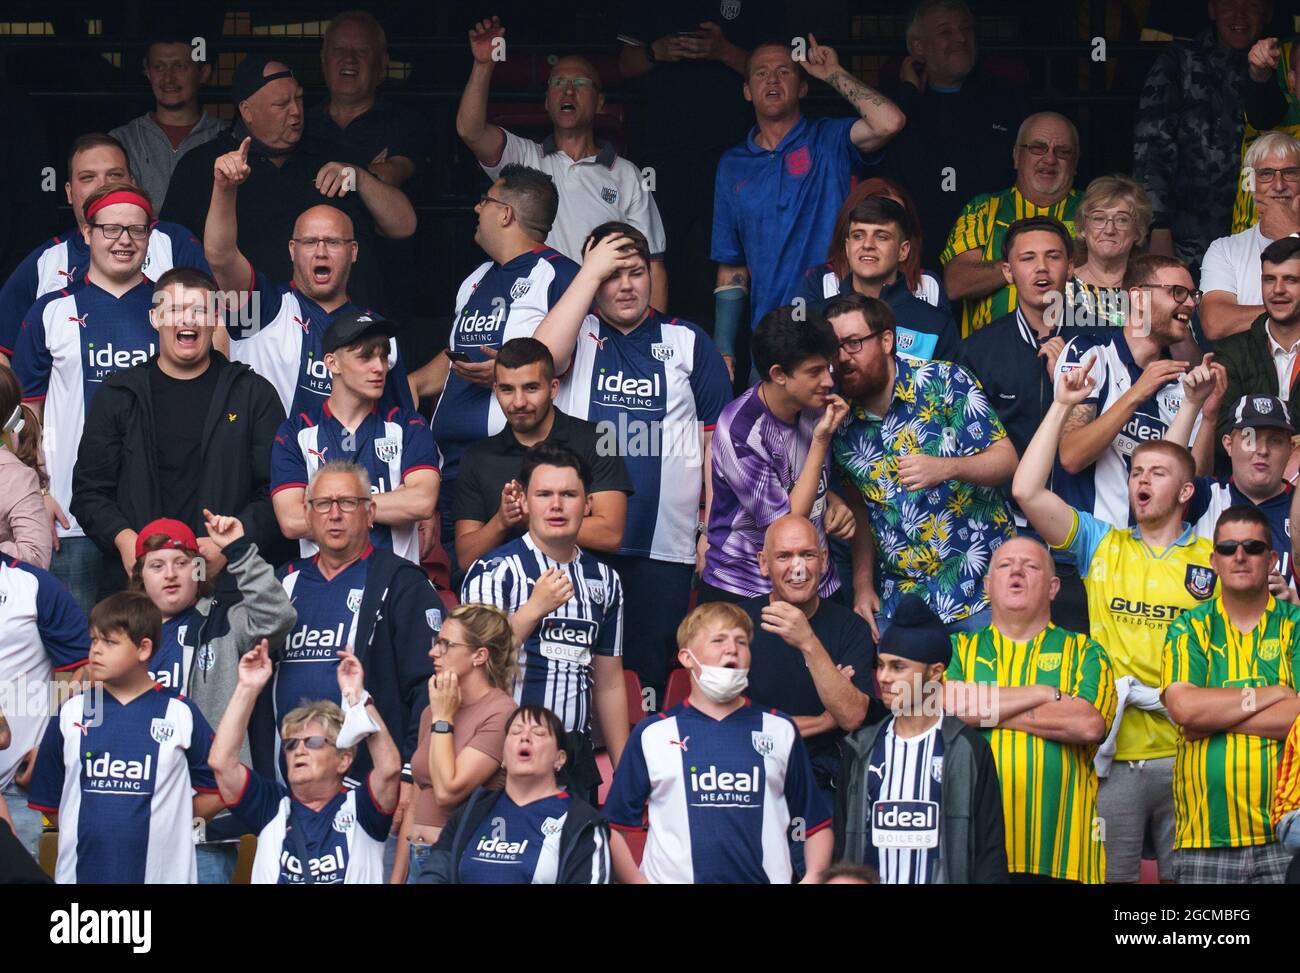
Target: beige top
[[24, 527], [481, 725]]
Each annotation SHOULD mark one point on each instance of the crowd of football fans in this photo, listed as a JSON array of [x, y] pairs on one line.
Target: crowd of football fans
[[955, 548]]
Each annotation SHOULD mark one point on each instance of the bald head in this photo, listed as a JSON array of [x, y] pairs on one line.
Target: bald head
[[323, 220], [573, 96], [793, 559], [1021, 583], [323, 251], [790, 529]]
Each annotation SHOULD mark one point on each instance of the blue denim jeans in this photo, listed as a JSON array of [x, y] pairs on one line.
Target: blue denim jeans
[[216, 862], [419, 854], [27, 823], [78, 563]]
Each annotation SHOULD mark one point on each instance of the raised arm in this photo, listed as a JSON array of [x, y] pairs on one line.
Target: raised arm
[[1083, 442], [880, 118], [559, 329], [230, 268], [486, 141], [253, 674], [1051, 516], [385, 759]]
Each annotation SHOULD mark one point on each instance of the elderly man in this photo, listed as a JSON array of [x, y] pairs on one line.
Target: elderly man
[[353, 594], [1228, 677], [594, 183], [1053, 701], [812, 659], [159, 139], [1230, 274], [1187, 140], [285, 178], [295, 846], [1045, 156], [957, 116], [926, 457], [279, 329], [772, 221]]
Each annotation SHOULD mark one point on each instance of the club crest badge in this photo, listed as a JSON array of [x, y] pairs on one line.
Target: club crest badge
[[344, 820], [520, 288], [161, 730], [387, 449], [1199, 581], [207, 658], [763, 743], [730, 9], [936, 769], [609, 194], [661, 350], [552, 826], [354, 600]]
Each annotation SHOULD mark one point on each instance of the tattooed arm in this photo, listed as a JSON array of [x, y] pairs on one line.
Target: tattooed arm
[[881, 119]]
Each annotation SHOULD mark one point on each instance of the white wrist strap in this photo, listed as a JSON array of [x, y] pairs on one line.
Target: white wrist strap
[[357, 723]]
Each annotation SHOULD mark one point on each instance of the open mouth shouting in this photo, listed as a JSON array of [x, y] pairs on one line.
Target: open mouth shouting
[[321, 273]]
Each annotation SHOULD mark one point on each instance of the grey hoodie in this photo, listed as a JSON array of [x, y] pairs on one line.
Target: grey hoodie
[[152, 156]]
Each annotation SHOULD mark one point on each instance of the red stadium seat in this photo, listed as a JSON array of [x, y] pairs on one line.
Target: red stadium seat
[[679, 687]]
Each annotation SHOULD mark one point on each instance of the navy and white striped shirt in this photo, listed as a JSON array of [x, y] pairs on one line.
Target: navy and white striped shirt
[[555, 661], [905, 797]]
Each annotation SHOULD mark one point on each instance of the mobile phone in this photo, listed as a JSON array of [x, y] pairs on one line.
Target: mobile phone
[[459, 356]]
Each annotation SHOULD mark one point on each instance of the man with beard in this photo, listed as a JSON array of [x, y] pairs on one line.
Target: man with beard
[[1138, 580], [488, 509], [1234, 295], [279, 329], [928, 455], [1136, 392], [1045, 156]]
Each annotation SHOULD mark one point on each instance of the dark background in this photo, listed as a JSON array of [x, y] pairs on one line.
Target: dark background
[[74, 67]]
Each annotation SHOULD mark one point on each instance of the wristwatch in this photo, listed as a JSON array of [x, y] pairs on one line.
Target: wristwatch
[[442, 726], [650, 52]]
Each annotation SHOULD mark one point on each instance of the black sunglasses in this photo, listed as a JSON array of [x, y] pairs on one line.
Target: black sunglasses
[[312, 743], [1253, 548]]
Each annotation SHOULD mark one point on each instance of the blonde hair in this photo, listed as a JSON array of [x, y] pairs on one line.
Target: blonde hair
[[1110, 191], [713, 613], [488, 626], [327, 714]]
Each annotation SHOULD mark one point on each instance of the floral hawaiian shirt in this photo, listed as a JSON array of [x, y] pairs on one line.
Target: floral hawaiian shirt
[[936, 542]]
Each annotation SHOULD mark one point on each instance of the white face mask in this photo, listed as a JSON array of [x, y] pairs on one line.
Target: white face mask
[[719, 683]]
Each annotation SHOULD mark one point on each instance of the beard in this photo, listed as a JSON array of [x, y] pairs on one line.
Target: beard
[[862, 384]]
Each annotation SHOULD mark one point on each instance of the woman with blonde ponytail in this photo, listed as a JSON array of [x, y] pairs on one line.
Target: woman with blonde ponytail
[[462, 730], [24, 526]]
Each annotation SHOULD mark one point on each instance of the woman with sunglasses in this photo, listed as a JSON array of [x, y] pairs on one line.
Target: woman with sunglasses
[[314, 831], [462, 730], [531, 833], [24, 527]]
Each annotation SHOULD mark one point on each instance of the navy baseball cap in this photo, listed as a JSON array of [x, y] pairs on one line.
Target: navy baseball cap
[[353, 326], [1261, 412]]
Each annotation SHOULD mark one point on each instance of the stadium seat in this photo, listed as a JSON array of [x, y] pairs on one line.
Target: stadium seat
[[244, 863], [635, 706], [47, 851], [679, 687]]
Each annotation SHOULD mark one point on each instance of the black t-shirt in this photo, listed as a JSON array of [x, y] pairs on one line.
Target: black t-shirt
[[491, 463], [701, 102], [180, 409], [401, 131], [779, 677]]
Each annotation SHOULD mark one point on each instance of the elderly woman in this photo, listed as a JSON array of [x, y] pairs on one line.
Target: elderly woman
[[1114, 217], [531, 833], [462, 730], [314, 831]]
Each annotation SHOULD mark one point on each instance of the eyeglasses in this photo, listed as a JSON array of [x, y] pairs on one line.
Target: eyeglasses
[[443, 646], [854, 345], [1253, 547], [1290, 174], [346, 504], [1042, 148], [576, 82], [312, 743], [332, 243], [1180, 293], [485, 198], [1098, 221], [111, 231]]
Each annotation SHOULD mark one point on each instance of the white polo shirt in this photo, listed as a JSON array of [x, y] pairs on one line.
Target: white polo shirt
[[1232, 264], [594, 190]]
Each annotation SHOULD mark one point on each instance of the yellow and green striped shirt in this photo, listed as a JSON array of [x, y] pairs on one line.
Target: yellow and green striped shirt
[[1286, 796], [1223, 784], [1049, 789], [982, 224]]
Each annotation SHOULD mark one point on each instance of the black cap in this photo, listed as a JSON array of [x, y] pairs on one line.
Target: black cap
[[249, 77], [915, 632], [1261, 412], [353, 326]]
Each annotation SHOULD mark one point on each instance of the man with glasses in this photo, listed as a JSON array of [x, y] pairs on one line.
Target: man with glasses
[[1265, 358], [1230, 277], [395, 446], [927, 457], [1228, 678], [595, 184], [1045, 157], [70, 341], [370, 601], [278, 328], [1136, 392]]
